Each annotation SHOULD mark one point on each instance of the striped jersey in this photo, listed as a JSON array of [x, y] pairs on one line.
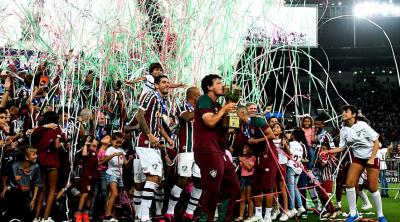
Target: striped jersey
[[185, 141], [152, 106], [323, 138]]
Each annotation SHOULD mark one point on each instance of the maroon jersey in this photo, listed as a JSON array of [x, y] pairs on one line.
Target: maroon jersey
[[152, 105], [185, 141], [208, 139]]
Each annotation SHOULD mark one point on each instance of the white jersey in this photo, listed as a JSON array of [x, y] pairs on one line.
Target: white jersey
[[360, 138], [115, 164], [296, 149], [148, 85], [281, 153], [382, 158]]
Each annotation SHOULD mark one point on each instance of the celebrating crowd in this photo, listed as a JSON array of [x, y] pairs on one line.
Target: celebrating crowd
[[173, 160]]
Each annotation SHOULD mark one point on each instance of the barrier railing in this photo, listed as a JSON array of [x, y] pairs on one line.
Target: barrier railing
[[393, 174]]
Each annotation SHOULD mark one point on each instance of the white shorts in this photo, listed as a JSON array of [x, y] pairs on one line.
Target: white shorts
[[186, 165], [138, 174], [151, 161]]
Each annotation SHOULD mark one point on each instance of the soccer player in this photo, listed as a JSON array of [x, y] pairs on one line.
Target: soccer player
[[187, 168], [150, 115], [217, 172], [363, 141]]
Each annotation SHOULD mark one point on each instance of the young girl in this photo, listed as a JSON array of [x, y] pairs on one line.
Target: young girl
[[283, 148], [115, 156], [101, 185], [247, 162], [294, 170]]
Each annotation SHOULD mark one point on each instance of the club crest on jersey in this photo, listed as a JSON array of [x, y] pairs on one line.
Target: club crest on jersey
[[184, 168], [155, 166], [213, 173]]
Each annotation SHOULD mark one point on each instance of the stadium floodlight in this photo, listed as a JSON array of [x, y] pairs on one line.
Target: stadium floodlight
[[374, 9]]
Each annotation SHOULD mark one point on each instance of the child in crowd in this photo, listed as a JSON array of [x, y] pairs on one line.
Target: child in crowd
[[115, 156], [88, 159], [247, 162], [23, 186]]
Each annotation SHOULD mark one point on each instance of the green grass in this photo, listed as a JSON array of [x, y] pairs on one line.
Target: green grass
[[391, 207]]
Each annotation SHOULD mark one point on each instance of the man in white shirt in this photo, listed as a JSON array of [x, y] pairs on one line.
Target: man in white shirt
[[382, 153]]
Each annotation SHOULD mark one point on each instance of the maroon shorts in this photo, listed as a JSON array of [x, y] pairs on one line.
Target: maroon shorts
[[342, 174], [327, 185], [265, 174], [87, 185], [364, 163]]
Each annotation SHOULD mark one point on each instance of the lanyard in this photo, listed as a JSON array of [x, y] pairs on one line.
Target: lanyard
[[247, 129], [189, 106], [161, 102]]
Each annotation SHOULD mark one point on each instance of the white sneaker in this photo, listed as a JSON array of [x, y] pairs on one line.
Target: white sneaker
[[36, 219], [216, 213], [267, 220], [275, 214], [253, 219], [292, 213], [284, 217], [300, 211], [366, 206], [48, 220], [111, 220]]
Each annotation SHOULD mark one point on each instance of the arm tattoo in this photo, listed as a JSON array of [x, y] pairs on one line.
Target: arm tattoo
[[142, 122]]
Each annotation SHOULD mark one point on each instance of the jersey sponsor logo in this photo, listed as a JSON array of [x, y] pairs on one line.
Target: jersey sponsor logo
[[213, 173]]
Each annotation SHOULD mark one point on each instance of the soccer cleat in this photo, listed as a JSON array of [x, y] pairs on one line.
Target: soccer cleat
[[366, 206], [188, 217], [351, 218], [382, 219], [169, 217]]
